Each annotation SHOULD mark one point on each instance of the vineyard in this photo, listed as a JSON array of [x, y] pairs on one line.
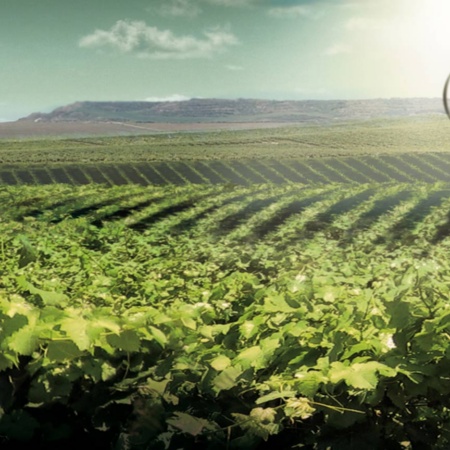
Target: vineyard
[[423, 167], [227, 314]]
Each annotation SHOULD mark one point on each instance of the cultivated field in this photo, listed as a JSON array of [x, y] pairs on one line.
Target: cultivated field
[[202, 301], [426, 167]]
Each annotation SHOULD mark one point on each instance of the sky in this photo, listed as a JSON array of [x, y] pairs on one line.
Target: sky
[[56, 52]]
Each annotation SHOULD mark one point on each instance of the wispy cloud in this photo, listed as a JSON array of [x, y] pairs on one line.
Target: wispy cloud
[[234, 68], [361, 23], [290, 12], [136, 37], [180, 8], [350, 5], [337, 49], [170, 98], [311, 91], [231, 2]]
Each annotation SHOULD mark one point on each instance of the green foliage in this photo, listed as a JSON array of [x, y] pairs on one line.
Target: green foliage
[[366, 137], [198, 339]]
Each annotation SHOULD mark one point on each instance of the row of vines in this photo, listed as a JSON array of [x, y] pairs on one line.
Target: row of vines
[[428, 167], [225, 317]]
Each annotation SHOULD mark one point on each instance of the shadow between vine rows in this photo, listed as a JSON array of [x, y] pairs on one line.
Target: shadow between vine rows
[[231, 222], [86, 210], [295, 207], [325, 219], [144, 223], [122, 213], [380, 207], [401, 231], [188, 224]]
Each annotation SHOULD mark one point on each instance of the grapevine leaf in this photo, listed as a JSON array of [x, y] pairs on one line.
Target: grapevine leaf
[[28, 253], [17, 305], [359, 375], [188, 424], [24, 341], [251, 357], [227, 379], [308, 383], [62, 351], [277, 303], [159, 336], [108, 371], [188, 322], [259, 423], [11, 325], [49, 298], [275, 395], [220, 363], [76, 330], [7, 360], [127, 341]]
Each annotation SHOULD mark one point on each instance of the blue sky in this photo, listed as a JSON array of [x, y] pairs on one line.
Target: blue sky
[[56, 52]]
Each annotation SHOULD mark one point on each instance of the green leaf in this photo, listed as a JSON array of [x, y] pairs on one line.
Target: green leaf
[[259, 423], [25, 341], [108, 371], [76, 330], [28, 253], [127, 341], [188, 424], [399, 313], [359, 375], [159, 336], [309, 383], [10, 325], [227, 379], [49, 298], [62, 351], [275, 395], [251, 357], [220, 363], [47, 390], [188, 322], [277, 303]]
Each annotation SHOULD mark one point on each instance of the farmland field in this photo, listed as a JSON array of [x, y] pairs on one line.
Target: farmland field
[[429, 168], [209, 298], [225, 316]]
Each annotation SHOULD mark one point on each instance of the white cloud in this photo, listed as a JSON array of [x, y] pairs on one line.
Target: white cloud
[[170, 98], [361, 23], [232, 67], [311, 91], [231, 2], [349, 5], [180, 8], [289, 12], [138, 38], [337, 49]]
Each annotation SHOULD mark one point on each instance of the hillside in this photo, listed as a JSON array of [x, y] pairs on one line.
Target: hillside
[[240, 110]]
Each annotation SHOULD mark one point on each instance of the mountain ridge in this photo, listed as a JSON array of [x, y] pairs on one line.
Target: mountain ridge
[[239, 110]]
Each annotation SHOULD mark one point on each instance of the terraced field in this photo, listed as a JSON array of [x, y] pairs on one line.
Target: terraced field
[[425, 167]]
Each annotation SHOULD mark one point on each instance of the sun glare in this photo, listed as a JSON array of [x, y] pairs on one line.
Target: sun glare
[[425, 39]]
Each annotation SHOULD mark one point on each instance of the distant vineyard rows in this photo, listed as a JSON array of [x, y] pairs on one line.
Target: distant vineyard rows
[[429, 168]]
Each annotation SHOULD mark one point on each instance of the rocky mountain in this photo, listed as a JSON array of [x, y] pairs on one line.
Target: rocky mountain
[[240, 110]]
